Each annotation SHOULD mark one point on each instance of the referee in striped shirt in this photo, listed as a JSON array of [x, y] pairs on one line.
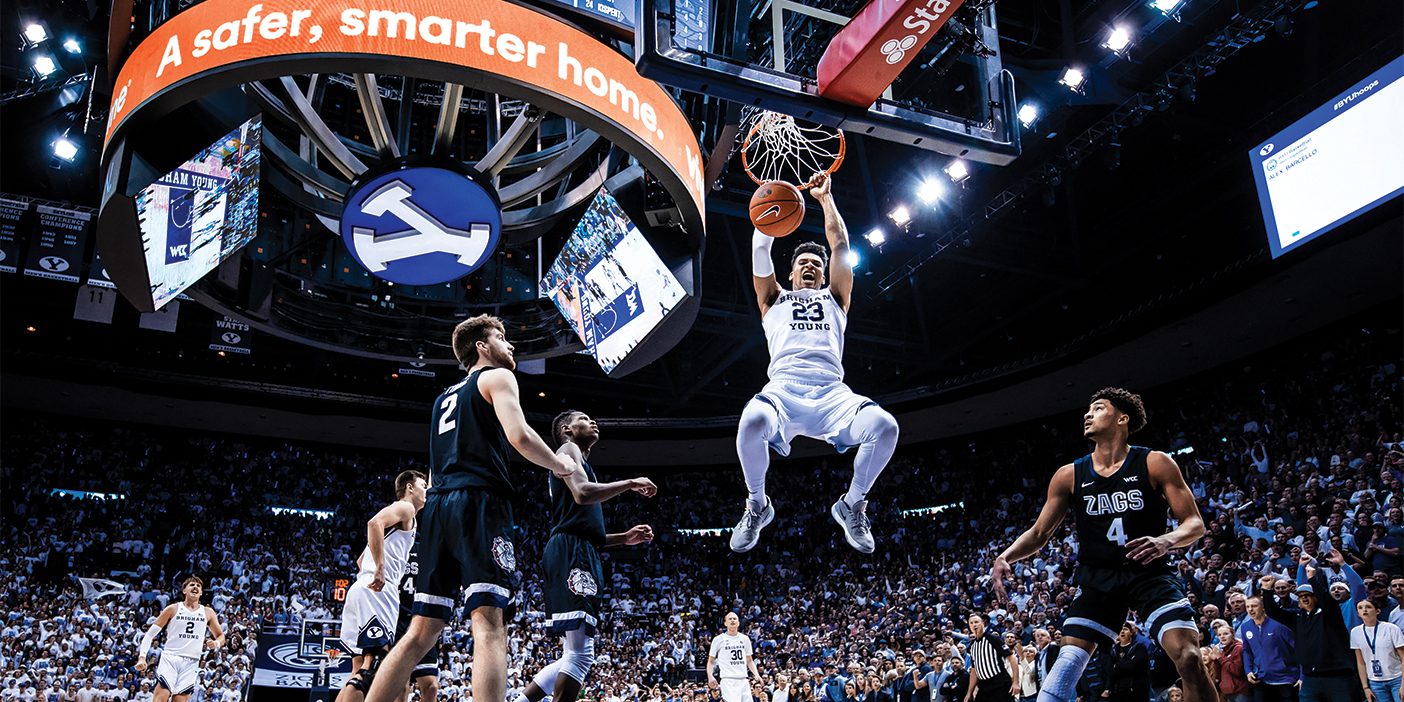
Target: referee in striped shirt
[[990, 679]]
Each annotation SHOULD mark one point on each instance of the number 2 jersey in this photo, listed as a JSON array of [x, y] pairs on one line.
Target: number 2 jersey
[[467, 446], [185, 632], [804, 330], [1111, 511]]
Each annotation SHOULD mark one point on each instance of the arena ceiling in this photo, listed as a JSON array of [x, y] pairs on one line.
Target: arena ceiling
[[1154, 223]]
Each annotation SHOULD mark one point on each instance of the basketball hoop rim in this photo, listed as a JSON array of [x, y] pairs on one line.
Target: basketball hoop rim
[[746, 164]]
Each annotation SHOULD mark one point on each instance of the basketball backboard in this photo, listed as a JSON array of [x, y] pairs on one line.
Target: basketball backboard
[[954, 98]]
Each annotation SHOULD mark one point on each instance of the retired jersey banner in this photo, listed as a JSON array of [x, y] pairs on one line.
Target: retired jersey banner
[[873, 48], [59, 244], [232, 335], [283, 662], [11, 212]]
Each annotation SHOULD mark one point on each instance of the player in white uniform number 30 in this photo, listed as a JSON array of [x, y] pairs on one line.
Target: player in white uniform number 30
[[806, 395], [186, 623], [730, 659]]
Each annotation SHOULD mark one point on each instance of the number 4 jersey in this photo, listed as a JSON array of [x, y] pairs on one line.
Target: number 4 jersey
[[1114, 510], [804, 330]]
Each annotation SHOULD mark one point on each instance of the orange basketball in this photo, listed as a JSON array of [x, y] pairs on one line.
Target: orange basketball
[[777, 208]]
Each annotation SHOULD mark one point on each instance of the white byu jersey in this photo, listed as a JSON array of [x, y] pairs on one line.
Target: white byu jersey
[[185, 632], [730, 653], [398, 543], [804, 330]]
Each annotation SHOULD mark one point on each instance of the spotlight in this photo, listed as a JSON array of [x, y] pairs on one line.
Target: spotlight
[[1118, 40], [899, 215], [1169, 8], [1073, 78], [35, 33], [1028, 114], [65, 149], [958, 171], [930, 190], [44, 65], [876, 237], [853, 258], [72, 46]]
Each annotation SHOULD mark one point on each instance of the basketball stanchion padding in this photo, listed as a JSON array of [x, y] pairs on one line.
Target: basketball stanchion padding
[[777, 208]]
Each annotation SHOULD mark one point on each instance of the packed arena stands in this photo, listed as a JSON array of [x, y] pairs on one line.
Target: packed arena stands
[[1294, 451]]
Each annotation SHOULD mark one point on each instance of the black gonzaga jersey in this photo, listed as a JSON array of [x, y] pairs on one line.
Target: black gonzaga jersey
[[568, 517], [467, 447], [1114, 510]]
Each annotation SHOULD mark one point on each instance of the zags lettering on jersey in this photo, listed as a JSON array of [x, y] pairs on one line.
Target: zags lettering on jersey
[[1112, 503]]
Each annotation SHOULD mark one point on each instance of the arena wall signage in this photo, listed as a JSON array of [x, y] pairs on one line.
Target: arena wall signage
[[491, 45], [421, 224]]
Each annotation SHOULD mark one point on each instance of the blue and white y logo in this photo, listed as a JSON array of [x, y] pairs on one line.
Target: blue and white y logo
[[421, 225]]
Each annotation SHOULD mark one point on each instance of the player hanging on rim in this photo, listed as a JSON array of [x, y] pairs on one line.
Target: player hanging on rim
[[806, 394], [371, 614], [186, 623], [730, 658], [1119, 494], [466, 532], [572, 559]]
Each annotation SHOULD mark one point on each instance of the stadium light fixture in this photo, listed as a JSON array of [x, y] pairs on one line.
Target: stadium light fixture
[[930, 191], [65, 149], [958, 171], [72, 46], [853, 258], [1028, 114], [1118, 40], [44, 65], [899, 215], [35, 33], [1169, 8], [1073, 78], [876, 237]]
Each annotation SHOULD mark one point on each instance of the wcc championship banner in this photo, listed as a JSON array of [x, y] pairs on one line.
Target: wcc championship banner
[[59, 246]]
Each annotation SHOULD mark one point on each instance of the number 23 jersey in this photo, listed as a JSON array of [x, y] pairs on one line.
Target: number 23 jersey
[[804, 330]]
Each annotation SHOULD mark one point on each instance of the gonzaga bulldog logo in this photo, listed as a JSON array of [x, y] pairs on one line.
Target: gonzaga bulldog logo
[[504, 554], [581, 583]]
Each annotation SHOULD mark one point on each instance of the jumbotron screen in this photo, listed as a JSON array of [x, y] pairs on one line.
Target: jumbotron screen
[[610, 284], [198, 215], [1341, 160]]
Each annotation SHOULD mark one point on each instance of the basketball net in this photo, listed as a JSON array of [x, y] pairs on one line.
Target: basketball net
[[779, 148]]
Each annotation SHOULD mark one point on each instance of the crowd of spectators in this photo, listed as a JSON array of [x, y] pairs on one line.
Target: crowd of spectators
[[1291, 457]]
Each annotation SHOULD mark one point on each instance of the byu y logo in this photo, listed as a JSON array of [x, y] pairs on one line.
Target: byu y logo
[[421, 225]]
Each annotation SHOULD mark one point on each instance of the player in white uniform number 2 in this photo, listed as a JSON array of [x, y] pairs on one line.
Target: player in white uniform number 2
[[806, 395], [730, 659], [186, 624], [372, 608]]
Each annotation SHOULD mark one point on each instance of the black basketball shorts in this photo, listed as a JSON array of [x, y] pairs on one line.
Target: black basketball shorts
[[1100, 608], [465, 541], [573, 577]]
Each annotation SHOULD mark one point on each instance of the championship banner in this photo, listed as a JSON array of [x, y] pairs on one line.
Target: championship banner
[[281, 662], [11, 212], [489, 44], [873, 48], [232, 335], [59, 245]]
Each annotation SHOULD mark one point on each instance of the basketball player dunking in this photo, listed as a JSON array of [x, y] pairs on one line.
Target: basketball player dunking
[[467, 529], [371, 614], [1119, 495], [806, 394], [572, 558], [186, 624]]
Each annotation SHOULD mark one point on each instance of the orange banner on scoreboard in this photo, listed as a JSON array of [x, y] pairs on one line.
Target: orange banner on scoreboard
[[873, 48], [489, 36]]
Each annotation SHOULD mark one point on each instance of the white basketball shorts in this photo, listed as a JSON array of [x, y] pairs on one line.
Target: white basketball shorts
[[735, 690], [178, 674], [369, 618], [819, 411]]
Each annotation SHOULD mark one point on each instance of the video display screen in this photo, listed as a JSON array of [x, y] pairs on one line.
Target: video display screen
[[200, 214], [1338, 162], [610, 284]]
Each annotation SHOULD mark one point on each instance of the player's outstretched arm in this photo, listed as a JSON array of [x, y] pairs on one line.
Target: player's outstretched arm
[[151, 633], [763, 271], [1165, 476], [212, 622], [640, 534], [587, 492], [1038, 535], [840, 272], [397, 512], [499, 387]]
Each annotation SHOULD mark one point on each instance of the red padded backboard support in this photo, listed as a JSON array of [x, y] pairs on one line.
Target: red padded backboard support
[[868, 54]]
